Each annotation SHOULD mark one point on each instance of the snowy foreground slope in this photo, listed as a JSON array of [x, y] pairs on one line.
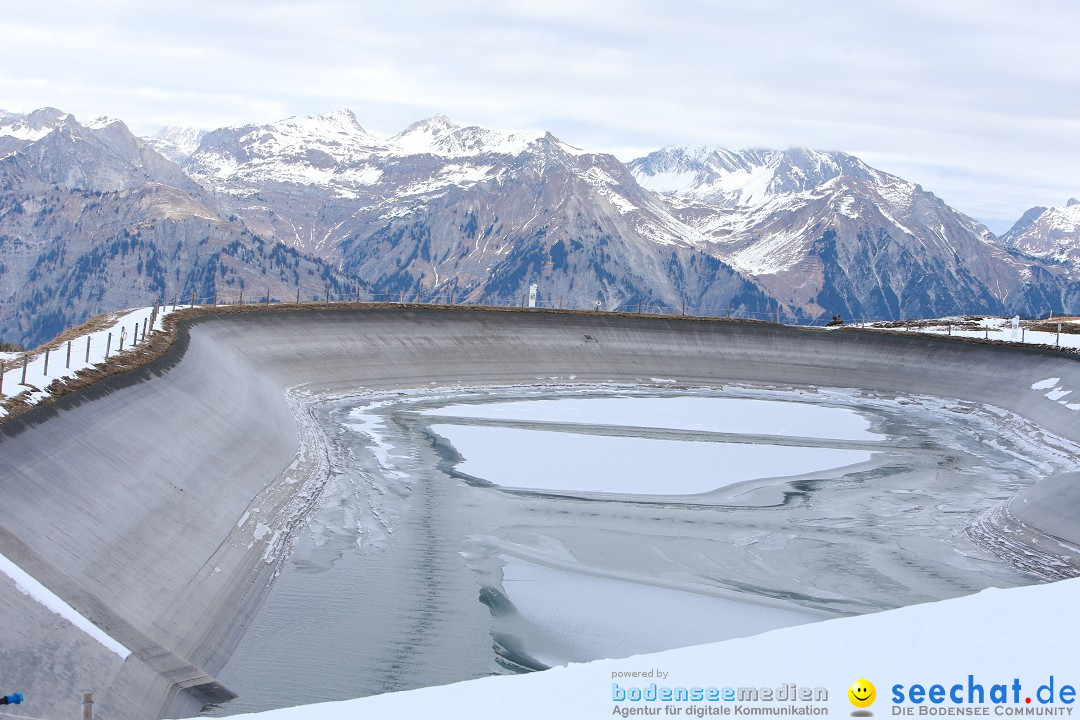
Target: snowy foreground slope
[[1015, 644]]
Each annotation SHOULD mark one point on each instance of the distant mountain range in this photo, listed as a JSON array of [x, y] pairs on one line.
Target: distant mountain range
[[93, 218]]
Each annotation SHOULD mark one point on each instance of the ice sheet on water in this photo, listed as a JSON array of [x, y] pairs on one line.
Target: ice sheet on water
[[584, 616], [732, 415], [573, 462]]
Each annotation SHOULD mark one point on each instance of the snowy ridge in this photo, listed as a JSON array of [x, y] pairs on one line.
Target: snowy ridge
[[17, 131], [102, 122], [757, 205], [741, 178], [1053, 233], [824, 232], [334, 150], [33, 126], [438, 135], [305, 150]]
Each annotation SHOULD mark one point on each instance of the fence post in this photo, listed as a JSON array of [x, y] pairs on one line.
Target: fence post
[[357, 293], [46, 371], [1, 378], [192, 298], [1058, 336], [241, 300], [987, 334], [68, 366], [144, 321], [297, 296], [1023, 335], [23, 381], [87, 361], [108, 346], [328, 295], [215, 297], [135, 335], [267, 297], [88, 705]]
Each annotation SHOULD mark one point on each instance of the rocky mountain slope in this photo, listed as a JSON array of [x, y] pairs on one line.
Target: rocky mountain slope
[[93, 218], [824, 232]]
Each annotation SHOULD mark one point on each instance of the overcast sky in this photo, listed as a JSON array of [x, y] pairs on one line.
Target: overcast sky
[[978, 101]]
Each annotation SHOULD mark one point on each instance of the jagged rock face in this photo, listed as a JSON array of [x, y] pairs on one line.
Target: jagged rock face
[[827, 234], [91, 219], [1049, 233]]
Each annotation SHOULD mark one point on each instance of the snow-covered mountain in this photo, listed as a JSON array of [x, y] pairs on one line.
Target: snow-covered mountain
[[1049, 233], [826, 233], [443, 209]]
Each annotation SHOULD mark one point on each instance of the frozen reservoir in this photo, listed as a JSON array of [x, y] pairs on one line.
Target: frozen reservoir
[[467, 532]]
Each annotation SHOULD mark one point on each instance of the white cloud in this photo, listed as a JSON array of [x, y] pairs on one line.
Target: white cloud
[[977, 101]]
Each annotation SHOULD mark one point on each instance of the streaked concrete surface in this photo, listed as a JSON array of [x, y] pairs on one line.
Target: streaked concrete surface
[[127, 499]]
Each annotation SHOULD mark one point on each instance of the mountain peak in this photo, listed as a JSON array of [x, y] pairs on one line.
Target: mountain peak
[[1072, 201], [342, 120], [34, 126], [103, 122], [439, 135], [338, 126], [344, 116], [421, 136]]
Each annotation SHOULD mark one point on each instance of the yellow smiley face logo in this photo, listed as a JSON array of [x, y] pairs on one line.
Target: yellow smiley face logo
[[862, 693]]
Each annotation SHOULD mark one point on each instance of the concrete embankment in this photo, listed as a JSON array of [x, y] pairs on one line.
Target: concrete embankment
[[1038, 530], [134, 499]]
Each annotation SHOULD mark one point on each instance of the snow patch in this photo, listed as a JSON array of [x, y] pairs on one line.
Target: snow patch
[[27, 585]]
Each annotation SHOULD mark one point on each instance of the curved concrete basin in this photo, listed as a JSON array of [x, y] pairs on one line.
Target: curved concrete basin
[[124, 498]]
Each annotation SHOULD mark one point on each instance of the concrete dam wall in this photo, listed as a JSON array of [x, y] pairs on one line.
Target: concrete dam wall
[[125, 498]]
